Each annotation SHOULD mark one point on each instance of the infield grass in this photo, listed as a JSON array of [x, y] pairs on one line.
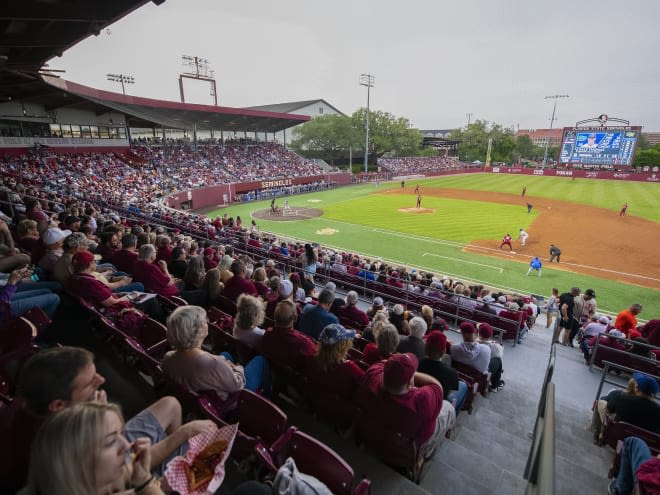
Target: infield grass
[[361, 219]]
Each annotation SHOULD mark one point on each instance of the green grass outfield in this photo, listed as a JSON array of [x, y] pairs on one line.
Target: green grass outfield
[[358, 220]]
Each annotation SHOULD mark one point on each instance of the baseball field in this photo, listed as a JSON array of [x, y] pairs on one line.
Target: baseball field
[[462, 219]]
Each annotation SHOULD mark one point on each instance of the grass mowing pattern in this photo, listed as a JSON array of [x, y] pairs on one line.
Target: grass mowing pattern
[[368, 223], [643, 198]]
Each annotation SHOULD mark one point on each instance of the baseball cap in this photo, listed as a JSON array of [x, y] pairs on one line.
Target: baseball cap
[[467, 327], [286, 288], [51, 236], [397, 309], [590, 292], [501, 299], [332, 334], [378, 301], [436, 341], [604, 319], [616, 333], [485, 330], [71, 220], [646, 384], [82, 259], [399, 369]]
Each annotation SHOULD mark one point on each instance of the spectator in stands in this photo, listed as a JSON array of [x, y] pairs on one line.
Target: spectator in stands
[[315, 317], [591, 330], [178, 263], [125, 259], [283, 343], [379, 319], [626, 321], [512, 312], [154, 275], [477, 355], [14, 303], [350, 315], [584, 306], [637, 467], [395, 392], [496, 350], [552, 307], [308, 261], [250, 315], [27, 235], [427, 314], [398, 318], [413, 343], [195, 273], [60, 377], [387, 340], [330, 371], [259, 279], [109, 245], [212, 286], [652, 332], [163, 248], [432, 364], [566, 313], [63, 269], [81, 449], [637, 407], [239, 283], [54, 240], [191, 366], [375, 307]]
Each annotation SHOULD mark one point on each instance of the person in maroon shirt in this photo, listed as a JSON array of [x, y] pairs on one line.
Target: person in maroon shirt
[[109, 245], [164, 248], [125, 258], [210, 260], [84, 285], [332, 377], [406, 400], [352, 316], [283, 343], [387, 340], [155, 277], [239, 284]]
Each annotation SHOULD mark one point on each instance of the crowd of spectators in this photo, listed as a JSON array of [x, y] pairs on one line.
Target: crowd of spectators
[[420, 164]]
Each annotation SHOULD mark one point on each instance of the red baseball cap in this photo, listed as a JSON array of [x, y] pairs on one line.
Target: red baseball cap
[[399, 369]]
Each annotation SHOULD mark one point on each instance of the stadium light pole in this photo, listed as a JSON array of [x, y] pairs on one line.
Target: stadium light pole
[[121, 78], [368, 81], [552, 120]]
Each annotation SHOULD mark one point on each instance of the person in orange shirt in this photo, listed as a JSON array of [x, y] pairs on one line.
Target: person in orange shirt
[[626, 321]]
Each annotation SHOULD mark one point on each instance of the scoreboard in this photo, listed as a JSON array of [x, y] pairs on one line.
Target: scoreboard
[[599, 146]]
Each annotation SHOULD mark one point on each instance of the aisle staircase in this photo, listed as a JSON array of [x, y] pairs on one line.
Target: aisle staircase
[[488, 450]]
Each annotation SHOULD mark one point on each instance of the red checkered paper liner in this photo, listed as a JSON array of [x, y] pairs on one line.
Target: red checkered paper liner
[[176, 474]]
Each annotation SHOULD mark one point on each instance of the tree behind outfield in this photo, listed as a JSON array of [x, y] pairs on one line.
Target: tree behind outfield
[[387, 133], [474, 142], [332, 135]]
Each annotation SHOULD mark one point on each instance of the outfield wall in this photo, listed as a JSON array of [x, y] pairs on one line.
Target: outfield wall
[[226, 193], [579, 173]]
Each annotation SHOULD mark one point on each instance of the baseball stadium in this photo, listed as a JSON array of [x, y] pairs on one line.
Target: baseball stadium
[[192, 304]]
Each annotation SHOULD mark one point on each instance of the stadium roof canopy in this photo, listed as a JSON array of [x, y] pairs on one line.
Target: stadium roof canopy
[[32, 32], [292, 106]]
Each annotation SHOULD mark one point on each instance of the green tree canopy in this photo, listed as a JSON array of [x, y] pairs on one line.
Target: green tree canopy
[[387, 133], [330, 134], [474, 142]]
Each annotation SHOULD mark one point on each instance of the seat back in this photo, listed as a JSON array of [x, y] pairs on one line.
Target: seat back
[[616, 431], [16, 334], [222, 320], [480, 378], [151, 332], [396, 448], [259, 418], [317, 459]]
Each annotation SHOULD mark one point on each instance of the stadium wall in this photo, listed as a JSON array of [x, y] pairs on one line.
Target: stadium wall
[[650, 176], [225, 193]]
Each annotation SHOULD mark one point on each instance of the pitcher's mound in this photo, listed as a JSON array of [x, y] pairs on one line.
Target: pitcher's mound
[[416, 210]]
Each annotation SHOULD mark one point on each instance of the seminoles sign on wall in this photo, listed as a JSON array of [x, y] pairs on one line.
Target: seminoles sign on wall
[[267, 184]]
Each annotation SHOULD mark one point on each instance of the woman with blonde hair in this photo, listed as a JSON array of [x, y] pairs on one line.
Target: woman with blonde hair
[[212, 286], [259, 278], [387, 340], [427, 315], [250, 313], [331, 372], [81, 451]]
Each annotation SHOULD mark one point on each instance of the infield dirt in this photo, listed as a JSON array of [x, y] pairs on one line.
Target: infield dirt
[[593, 241]]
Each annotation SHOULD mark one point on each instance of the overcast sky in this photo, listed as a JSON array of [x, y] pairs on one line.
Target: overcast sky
[[434, 61]]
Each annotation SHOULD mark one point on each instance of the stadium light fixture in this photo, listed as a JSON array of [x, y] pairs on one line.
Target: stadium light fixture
[[368, 81], [121, 78], [552, 120]]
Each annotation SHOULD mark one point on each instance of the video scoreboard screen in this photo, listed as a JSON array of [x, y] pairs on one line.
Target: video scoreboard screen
[[599, 146]]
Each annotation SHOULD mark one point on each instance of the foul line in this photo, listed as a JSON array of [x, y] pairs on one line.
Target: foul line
[[464, 261]]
